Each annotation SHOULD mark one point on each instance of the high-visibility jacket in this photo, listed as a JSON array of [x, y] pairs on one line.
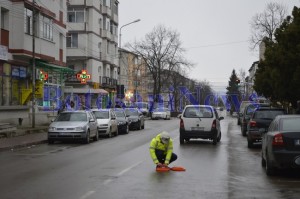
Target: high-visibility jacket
[[156, 143]]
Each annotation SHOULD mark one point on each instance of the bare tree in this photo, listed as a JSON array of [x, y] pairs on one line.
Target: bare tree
[[162, 51], [263, 25], [242, 74]]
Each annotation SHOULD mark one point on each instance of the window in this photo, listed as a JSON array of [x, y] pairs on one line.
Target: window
[[72, 40], [76, 15], [28, 21], [47, 28]]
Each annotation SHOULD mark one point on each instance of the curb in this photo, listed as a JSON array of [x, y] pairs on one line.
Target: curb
[[22, 145]]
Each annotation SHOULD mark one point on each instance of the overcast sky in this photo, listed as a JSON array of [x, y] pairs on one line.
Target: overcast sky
[[215, 33]]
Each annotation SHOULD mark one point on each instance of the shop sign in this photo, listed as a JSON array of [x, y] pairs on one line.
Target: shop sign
[[3, 53], [83, 76]]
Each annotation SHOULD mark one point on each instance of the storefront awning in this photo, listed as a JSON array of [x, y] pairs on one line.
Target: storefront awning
[[52, 67], [85, 90]]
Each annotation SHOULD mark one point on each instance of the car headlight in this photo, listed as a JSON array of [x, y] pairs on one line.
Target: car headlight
[[51, 129], [121, 122], [79, 128]]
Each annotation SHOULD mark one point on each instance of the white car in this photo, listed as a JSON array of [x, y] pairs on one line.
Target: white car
[[107, 123], [161, 113], [200, 121]]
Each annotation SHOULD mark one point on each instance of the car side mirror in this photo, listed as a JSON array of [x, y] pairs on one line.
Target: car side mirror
[[221, 118], [52, 120], [179, 116]]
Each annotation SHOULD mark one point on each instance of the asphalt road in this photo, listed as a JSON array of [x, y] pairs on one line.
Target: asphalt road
[[121, 168]]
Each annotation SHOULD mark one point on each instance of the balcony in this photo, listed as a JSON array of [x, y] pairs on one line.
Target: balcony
[[109, 82], [105, 10]]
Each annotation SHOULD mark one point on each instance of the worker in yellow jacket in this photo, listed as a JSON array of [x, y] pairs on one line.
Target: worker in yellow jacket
[[161, 149]]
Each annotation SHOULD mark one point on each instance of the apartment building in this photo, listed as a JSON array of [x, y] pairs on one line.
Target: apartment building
[[92, 47], [24, 23], [133, 77]]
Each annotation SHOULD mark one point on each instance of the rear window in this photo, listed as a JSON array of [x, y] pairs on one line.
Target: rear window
[[198, 112], [290, 124], [251, 108], [267, 114]]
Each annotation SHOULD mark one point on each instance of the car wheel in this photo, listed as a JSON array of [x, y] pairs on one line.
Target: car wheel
[[87, 139], [127, 129], [50, 141], [215, 140], [238, 122], [117, 132], [243, 131], [96, 138], [270, 170], [263, 162], [219, 138], [250, 144], [181, 139], [109, 133], [143, 127]]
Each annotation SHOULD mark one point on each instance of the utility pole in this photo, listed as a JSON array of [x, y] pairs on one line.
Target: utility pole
[[33, 65]]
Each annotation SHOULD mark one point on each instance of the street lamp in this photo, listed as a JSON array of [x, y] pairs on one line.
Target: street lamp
[[120, 45], [135, 21]]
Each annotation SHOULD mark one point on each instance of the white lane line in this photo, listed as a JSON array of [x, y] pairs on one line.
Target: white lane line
[[89, 193], [122, 172]]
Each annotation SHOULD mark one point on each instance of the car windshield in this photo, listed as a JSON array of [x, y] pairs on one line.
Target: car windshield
[[202, 112], [131, 112], [290, 124], [101, 114], [251, 108], [71, 117], [267, 114], [119, 113]]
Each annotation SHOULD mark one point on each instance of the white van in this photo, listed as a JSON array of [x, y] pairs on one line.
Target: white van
[[200, 121]]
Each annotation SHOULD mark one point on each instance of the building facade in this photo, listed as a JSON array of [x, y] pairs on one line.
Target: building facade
[[92, 45], [32, 29]]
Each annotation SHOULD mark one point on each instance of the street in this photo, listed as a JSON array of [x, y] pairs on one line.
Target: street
[[121, 167]]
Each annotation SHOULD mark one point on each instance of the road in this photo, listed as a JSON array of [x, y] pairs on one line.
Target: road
[[121, 168]]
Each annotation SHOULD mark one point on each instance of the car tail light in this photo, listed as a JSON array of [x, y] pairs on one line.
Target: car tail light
[[252, 123], [214, 124], [278, 140], [181, 124]]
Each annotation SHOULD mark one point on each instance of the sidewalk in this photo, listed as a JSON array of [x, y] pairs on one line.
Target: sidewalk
[[24, 136]]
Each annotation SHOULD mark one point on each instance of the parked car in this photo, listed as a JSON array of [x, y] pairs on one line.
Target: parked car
[[73, 125], [200, 121], [143, 107], [106, 122], [241, 111], [261, 119], [248, 111], [136, 118], [122, 119], [161, 113], [281, 144]]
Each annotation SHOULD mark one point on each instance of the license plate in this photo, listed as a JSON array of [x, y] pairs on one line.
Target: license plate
[[197, 128], [63, 133], [297, 142]]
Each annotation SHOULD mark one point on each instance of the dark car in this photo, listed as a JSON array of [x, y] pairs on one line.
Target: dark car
[[261, 119], [281, 144], [241, 111], [249, 109], [136, 118], [122, 119]]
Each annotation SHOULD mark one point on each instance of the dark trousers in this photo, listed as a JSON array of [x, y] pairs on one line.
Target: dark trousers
[[162, 157]]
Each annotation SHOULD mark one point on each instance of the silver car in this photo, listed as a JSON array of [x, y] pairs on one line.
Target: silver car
[[73, 125]]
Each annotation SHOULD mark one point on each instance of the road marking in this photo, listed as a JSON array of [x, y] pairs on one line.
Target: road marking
[[87, 194], [122, 172]]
